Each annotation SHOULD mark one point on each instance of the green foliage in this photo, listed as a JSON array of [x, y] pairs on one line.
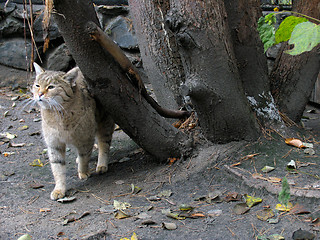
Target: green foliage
[[305, 37], [267, 30], [285, 2], [284, 194], [300, 32], [286, 27]]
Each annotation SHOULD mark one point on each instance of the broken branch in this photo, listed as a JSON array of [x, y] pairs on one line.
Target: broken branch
[[106, 43]]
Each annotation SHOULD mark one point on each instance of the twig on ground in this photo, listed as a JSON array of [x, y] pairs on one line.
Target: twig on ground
[[100, 199]]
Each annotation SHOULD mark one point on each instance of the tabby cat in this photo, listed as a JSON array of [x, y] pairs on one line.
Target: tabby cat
[[70, 115]]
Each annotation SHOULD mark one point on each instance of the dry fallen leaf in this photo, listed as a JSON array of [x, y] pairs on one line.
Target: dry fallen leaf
[[169, 226], [265, 214], [294, 142], [7, 154], [121, 215], [299, 209], [120, 205], [274, 179], [249, 156], [172, 160], [11, 144], [45, 210], [240, 208], [284, 208], [133, 237], [267, 169], [25, 127], [251, 201], [25, 237], [170, 214], [36, 163], [232, 196], [66, 199], [197, 215]]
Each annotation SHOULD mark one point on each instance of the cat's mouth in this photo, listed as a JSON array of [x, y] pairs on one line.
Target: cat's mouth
[[50, 104]]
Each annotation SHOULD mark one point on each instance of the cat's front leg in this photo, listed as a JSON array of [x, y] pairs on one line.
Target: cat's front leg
[[58, 166]]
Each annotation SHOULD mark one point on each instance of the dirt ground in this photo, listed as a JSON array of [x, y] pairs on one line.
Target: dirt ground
[[212, 181]]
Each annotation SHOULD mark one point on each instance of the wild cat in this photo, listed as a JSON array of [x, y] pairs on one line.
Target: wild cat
[[70, 115]]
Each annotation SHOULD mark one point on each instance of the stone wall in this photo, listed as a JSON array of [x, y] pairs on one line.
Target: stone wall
[[16, 41]]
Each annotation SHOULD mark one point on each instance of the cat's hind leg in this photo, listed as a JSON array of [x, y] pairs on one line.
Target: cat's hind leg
[[84, 154], [58, 166], [104, 137]]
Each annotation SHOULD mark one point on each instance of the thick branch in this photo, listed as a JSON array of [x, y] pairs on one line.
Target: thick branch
[[98, 35]]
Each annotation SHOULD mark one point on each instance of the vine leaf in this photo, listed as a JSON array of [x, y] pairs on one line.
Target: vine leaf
[[305, 37], [267, 30], [285, 29]]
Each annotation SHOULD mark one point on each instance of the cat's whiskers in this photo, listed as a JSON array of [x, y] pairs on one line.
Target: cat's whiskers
[[56, 106], [29, 102]]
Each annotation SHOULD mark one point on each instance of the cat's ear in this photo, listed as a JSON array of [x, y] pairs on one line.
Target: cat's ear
[[38, 69], [72, 76]]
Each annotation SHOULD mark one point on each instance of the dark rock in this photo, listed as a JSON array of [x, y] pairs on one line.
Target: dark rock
[[106, 13], [11, 27], [121, 31], [21, 1], [112, 10], [19, 13], [13, 53], [38, 31], [102, 2], [8, 9], [10, 77], [273, 51], [111, 2], [59, 59], [303, 235]]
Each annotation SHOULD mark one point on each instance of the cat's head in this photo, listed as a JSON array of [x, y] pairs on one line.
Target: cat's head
[[54, 89]]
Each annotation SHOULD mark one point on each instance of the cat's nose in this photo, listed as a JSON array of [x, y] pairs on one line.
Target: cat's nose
[[40, 96]]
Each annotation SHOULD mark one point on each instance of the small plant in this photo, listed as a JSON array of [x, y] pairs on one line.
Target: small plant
[[284, 194], [299, 31]]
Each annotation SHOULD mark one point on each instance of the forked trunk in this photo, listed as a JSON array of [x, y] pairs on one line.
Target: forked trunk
[[110, 85]]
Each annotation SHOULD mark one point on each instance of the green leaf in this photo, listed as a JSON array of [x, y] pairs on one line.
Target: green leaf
[[305, 37], [25, 237], [285, 29], [267, 30], [284, 194]]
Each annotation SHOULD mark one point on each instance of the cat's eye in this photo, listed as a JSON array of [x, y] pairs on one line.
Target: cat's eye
[[37, 85], [50, 87]]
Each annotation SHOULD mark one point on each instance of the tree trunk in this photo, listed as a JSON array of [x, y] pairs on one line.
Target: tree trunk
[[158, 50], [110, 86], [293, 77], [251, 60], [212, 77]]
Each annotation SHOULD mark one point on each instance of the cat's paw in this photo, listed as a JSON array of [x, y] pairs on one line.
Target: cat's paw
[[84, 176], [57, 194], [101, 169]]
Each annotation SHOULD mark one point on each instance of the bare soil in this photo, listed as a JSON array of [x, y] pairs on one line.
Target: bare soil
[[136, 178]]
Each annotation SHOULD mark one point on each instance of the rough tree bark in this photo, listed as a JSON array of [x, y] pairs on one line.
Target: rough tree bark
[[293, 77], [110, 86], [251, 59], [158, 49], [212, 78]]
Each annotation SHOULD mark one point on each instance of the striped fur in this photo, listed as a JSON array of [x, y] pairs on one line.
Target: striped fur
[[70, 116]]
